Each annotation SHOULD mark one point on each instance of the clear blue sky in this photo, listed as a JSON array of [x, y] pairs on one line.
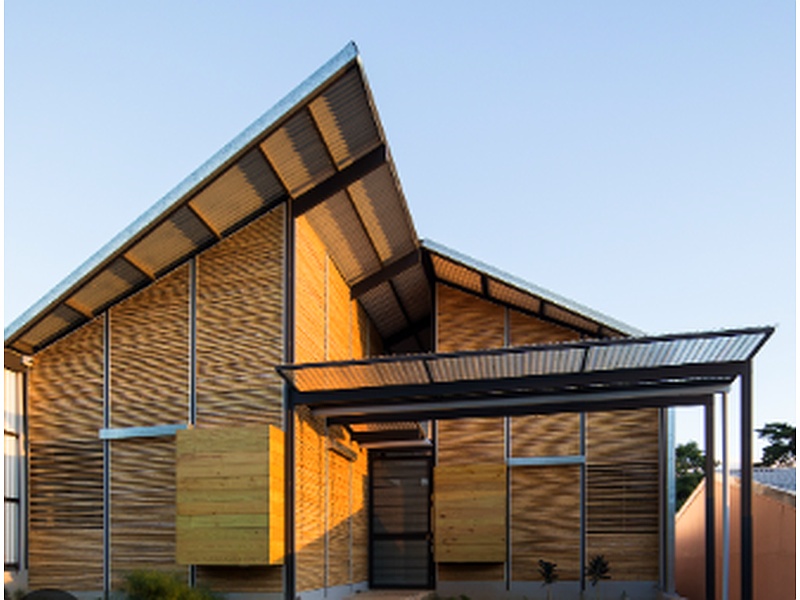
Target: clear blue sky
[[637, 157]]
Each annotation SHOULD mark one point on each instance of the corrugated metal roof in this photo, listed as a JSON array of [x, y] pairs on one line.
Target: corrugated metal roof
[[780, 478], [632, 355]]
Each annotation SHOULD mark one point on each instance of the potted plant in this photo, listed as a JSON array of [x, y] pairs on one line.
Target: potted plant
[[547, 570], [597, 570]]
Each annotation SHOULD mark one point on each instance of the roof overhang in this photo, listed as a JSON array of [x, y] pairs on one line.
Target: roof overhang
[[323, 148], [612, 374]]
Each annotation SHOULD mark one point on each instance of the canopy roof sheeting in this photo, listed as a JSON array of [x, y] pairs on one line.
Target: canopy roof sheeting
[[566, 376]]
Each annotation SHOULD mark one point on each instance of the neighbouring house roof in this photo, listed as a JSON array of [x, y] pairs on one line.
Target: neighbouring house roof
[[322, 146], [587, 375], [779, 478]]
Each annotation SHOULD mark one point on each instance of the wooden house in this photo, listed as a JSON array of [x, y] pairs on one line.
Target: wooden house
[[271, 386]]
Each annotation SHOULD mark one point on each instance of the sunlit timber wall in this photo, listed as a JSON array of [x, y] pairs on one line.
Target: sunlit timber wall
[[331, 524], [140, 373], [541, 506]]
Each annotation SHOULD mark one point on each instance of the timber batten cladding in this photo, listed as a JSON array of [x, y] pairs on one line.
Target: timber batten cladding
[[165, 432]]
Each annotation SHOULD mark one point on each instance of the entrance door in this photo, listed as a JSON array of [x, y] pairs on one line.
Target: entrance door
[[400, 519]]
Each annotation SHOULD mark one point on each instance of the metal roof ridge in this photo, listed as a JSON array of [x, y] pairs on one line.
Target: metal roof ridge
[[174, 197], [532, 288]]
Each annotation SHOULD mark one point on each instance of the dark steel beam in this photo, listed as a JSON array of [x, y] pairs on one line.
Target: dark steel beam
[[522, 385], [465, 410], [204, 220], [392, 269], [403, 435], [289, 573], [412, 330], [340, 180]]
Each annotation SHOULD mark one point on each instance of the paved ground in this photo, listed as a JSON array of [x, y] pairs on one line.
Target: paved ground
[[392, 595]]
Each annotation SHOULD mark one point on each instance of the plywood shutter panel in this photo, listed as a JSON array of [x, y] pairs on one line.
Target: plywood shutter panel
[[230, 496], [65, 407], [470, 513]]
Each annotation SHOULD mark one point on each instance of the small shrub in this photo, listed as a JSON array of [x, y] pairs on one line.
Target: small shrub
[[548, 572], [157, 585]]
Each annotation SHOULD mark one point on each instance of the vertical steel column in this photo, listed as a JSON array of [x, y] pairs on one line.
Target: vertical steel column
[[746, 382], [666, 448], [507, 452], [662, 500], [711, 554], [582, 501], [670, 516], [106, 455], [289, 574], [192, 416], [726, 512]]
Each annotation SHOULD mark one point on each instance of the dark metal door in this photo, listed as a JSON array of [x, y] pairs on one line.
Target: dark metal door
[[400, 520]]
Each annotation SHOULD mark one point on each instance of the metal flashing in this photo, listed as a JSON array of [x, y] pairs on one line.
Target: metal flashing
[[124, 433]]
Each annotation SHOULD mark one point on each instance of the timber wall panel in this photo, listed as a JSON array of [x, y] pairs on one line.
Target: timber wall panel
[[149, 349], [65, 412], [240, 326], [545, 514], [360, 491], [465, 322], [150, 354], [526, 330], [339, 524], [541, 435], [329, 326], [311, 295], [338, 316], [545, 435], [622, 491], [143, 502], [310, 500]]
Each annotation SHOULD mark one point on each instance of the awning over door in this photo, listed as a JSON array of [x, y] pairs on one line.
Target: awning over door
[[577, 376]]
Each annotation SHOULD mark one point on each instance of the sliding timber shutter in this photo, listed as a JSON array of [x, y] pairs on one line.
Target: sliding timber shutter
[[230, 496], [470, 513]]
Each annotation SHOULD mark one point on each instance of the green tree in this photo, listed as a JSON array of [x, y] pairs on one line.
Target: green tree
[[690, 468], [781, 448]]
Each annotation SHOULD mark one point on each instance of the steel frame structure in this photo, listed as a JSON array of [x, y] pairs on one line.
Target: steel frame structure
[[662, 386]]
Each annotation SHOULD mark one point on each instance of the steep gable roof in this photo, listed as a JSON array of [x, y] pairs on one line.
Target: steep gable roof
[[323, 147]]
